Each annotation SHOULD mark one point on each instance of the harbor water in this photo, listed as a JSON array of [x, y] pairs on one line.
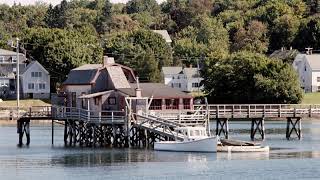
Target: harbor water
[[292, 159]]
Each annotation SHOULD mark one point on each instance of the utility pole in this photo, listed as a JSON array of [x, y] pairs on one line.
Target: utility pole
[[17, 72]]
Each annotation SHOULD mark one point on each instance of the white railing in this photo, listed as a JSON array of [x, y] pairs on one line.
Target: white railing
[[260, 110], [89, 116]]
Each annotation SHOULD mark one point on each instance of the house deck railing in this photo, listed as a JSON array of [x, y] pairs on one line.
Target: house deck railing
[[89, 116]]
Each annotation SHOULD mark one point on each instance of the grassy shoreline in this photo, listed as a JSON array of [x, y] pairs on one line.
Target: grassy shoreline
[[25, 103]]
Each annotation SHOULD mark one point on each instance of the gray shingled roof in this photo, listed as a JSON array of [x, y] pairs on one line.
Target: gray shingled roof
[[81, 75], [30, 65], [191, 72], [157, 90], [164, 34], [314, 61], [171, 70], [117, 77]]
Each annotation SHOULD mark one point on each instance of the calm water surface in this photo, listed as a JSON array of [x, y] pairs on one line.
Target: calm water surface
[[287, 159]]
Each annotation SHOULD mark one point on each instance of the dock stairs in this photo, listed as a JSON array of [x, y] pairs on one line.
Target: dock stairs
[[159, 125]]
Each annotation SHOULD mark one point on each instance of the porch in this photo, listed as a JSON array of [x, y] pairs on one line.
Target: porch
[[171, 104]]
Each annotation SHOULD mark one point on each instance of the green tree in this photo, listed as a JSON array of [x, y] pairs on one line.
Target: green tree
[[253, 38], [140, 48], [56, 16], [308, 35], [284, 31], [246, 77], [60, 50], [205, 38], [104, 18], [139, 6]]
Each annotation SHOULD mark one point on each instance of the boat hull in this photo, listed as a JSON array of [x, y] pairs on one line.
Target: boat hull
[[202, 145], [243, 149]]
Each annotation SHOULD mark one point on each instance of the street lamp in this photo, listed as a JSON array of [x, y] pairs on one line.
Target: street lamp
[[18, 72]]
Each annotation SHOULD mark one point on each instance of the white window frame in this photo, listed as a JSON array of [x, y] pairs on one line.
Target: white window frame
[[14, 59], [30, 85], [1, 59], [42, 86]]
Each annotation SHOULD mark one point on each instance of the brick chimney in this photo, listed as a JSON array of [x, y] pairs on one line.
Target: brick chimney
[[108, 60]]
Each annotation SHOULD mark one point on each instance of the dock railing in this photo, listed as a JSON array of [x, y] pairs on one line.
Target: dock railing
[[9, 112], [260, 110]]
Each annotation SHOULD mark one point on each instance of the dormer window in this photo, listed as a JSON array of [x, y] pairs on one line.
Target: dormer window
[[172, 77], [1, 59]]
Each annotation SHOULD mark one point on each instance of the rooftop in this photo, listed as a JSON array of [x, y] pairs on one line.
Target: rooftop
[[164, 34], [314, 61], [157, 90], [8, 53]]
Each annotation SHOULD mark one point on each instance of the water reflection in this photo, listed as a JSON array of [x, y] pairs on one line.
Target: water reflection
[[89, 157]]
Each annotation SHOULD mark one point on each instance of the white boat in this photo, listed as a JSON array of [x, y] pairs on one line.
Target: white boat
[[226, 145], [195, 140], [243, 148]]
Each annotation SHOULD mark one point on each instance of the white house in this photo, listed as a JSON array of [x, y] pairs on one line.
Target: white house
[[308, 68], [164, 34], [35, 81], [184, 79]]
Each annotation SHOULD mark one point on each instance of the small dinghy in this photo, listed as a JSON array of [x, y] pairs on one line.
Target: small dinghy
[[226, 145], [196, 140]]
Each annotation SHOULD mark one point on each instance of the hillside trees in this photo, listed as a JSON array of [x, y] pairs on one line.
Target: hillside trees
[[205, 38], [246, 77], [59, 50], [143, 50]]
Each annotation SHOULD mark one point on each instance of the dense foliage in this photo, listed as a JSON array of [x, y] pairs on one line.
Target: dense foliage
[[208, 32]]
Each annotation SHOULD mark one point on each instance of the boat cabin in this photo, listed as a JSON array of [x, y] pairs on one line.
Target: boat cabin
[[193, 133]]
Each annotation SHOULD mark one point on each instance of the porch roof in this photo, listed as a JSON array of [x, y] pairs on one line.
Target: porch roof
[[157, 90], [88, 96]]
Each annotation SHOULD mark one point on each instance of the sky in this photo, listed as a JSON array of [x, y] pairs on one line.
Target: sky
[[53, 2]]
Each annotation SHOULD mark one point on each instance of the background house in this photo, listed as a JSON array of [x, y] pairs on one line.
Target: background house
[[308, 68], [184, 79], [103, 87], [8, 69], [165, 35], [35, 81]]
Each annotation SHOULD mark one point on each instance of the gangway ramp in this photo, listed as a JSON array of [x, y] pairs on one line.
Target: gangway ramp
[[160, 126]]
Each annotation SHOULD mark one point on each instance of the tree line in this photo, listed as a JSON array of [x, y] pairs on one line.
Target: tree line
[[231, 39]]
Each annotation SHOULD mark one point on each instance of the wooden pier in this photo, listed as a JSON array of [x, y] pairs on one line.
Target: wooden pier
[[127, 128]]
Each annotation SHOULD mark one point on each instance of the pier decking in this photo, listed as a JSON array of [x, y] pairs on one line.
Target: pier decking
[[125, 128]]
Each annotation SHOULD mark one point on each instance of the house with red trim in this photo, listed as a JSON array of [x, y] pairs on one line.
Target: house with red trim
[[104, 87]]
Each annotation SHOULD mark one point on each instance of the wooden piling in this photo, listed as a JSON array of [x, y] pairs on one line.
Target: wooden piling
[[292, 123], [222, 126], [257, 125]]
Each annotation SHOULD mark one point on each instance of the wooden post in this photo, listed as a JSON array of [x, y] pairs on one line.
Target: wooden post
[[310, 111], [232, 116], [291, 126], [52, 131], [279, 111], [222, 127], [217, 111], [88, 102], [257, 125]]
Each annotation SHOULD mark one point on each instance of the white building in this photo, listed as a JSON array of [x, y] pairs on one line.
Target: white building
[[35, 81], [308, 68], [184, 79]]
